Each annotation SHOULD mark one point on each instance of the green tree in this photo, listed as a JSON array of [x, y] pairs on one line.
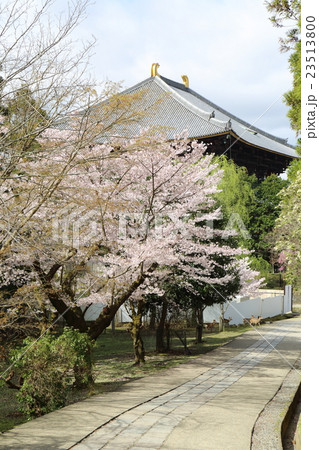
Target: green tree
[[236, 195], [286, 13], [286, 235], [263, 213], [293, 97]]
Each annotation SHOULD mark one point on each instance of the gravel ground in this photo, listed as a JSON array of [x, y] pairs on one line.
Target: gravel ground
[[290, 442]]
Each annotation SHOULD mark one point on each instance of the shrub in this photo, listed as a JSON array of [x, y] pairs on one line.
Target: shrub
[[274, 281], [77, 347], [47, 367]]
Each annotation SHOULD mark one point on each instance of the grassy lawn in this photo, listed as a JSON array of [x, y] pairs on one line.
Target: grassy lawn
[[113, 356]]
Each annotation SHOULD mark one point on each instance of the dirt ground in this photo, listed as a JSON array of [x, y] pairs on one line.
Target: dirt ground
[[291, 440]]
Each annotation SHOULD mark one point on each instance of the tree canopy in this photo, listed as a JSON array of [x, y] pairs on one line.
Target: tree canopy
[[263, 213], [286, 235], [286, 13]]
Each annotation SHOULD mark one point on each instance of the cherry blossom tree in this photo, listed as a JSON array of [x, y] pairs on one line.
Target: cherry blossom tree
[[86, 217], [45, 83], [48, 114], [125, 210]]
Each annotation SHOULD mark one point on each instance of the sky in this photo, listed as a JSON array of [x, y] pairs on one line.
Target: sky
[[228, 49]]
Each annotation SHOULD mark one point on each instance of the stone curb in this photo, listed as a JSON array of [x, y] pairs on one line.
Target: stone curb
[[273, 420]]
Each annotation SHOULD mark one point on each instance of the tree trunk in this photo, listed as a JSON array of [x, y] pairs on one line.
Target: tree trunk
[[199, 326], [199, 334], [152, 317], [135, 330], [160, 346], [103, 321], [105, 318], [168, 336], [221, 318], [221, 324], [73, 316], [182, 337], [193, 319]]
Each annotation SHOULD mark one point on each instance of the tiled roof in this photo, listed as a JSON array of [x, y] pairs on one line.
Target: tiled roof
[[174, 108], [181, 108]]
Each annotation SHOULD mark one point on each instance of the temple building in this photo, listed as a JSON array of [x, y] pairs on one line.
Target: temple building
[[179, 108]]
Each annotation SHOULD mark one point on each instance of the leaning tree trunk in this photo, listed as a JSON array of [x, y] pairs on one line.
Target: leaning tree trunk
[[160, 331], [105, 318], [135, 330], [74, 317]]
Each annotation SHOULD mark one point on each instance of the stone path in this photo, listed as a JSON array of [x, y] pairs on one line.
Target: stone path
[[148, 425], [213, 401]]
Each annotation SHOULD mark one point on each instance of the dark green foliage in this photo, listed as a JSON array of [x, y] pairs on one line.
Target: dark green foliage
[[235, 197], [286, 13], [78, 346], [294, 169], [274, 281], [263, 213], [286, 234], [259, 264], [293, 97], [47, 367], [26, 119]]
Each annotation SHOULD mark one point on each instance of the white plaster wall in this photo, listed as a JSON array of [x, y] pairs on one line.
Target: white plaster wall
[[265, 307], [237, 310], [94, 311]]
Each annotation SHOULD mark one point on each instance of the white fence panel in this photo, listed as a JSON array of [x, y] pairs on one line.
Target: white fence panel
[[288, 298], [94, 311], [265, 307]]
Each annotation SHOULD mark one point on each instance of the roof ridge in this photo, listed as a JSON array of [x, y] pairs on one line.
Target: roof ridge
[[222, 110], [137, 85], [162, 83]]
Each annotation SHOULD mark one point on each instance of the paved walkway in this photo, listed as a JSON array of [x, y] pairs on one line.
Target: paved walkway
[[210, 403]]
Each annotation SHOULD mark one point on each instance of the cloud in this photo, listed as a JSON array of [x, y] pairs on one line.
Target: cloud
[[228, 49]]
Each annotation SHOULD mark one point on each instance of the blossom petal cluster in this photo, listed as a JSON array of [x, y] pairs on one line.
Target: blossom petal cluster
[[106, 214]]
